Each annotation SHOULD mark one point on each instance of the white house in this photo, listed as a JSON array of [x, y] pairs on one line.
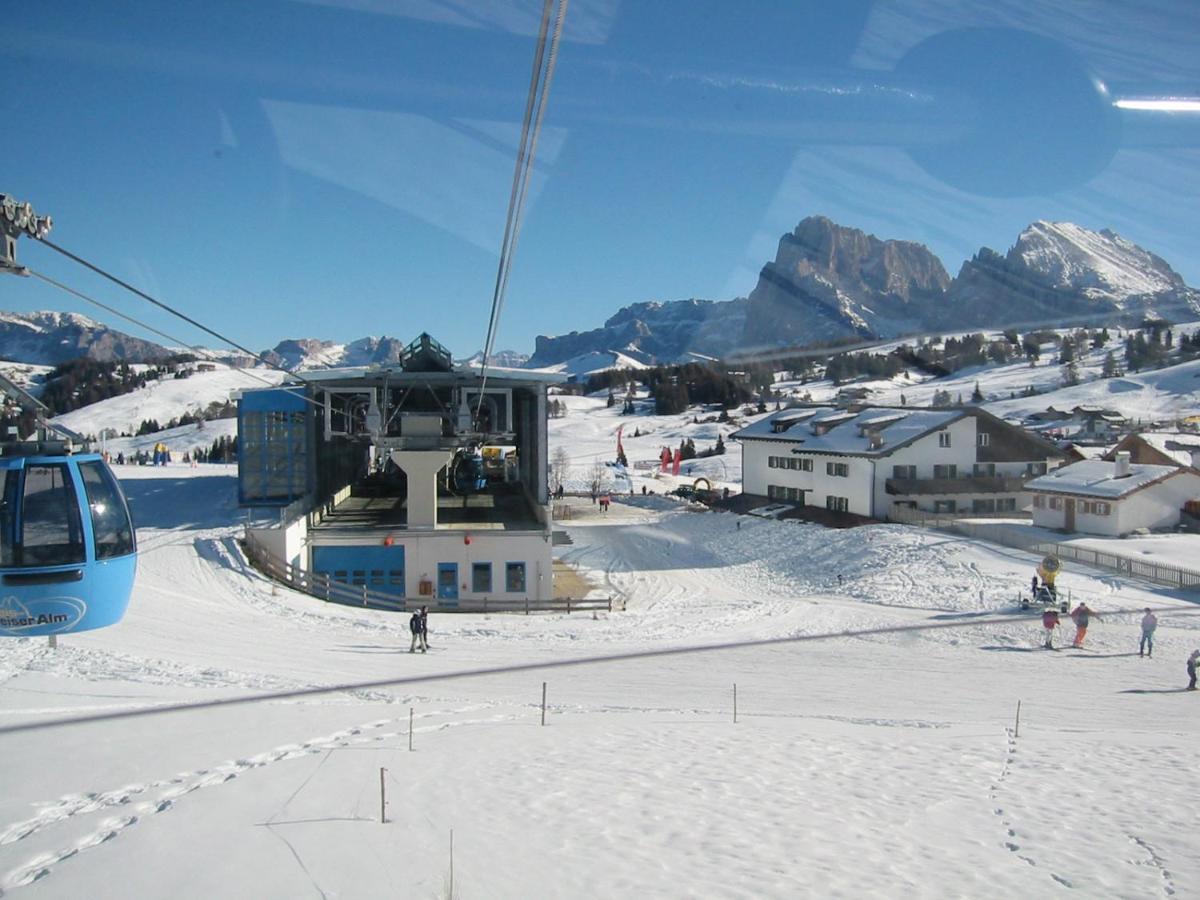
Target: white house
[[1112, 498], [880, 459]]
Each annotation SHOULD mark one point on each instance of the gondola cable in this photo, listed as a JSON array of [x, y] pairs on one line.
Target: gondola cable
[[167, 307], [535, 107], [144, 325]]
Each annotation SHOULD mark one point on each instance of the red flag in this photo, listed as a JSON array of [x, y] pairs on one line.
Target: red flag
[[665, 456], [675, 463]]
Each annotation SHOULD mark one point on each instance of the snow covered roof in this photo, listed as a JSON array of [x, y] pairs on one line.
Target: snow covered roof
[[1173, 444], [1098, 478], [848, 432]]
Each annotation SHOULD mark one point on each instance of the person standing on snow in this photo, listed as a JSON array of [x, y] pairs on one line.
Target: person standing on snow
[[1191, 669], [1050, 622], [1149, 623], [424, 628], [1081, 616], [418, 638]]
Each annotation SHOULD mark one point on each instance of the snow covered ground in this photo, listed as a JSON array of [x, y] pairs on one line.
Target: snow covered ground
[[873, 765]]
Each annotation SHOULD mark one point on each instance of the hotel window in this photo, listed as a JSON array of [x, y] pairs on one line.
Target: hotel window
[[1055, 503], [947, 471], [904, 471], [945, 506], [1035, 468], [983, 438], [1006, 504], [943, 439], [985, 470], [840, 470], [806, 465], [983, 505], [773, 462], [1039, 501], [837, 504]]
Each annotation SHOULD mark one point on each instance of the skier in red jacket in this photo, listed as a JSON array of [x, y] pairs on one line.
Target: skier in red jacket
[[1050, 622]]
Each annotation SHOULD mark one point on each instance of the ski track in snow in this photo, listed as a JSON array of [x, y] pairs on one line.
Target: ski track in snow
[[164, 794]]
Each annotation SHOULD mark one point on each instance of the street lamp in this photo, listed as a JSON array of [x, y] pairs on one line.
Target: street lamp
[[16, 219]]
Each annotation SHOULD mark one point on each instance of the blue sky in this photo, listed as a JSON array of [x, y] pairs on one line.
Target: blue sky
[[336, 169]]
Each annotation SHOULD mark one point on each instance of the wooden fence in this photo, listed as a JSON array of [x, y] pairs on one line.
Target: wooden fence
[[332, 591]]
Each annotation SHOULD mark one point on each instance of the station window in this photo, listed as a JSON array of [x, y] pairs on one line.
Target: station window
[[481, 577], [514, 577]]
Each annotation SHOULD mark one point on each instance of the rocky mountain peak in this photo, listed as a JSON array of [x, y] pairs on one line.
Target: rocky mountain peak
[[828, 281]]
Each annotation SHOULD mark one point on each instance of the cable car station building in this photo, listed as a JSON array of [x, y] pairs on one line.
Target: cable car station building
[[418, 479]]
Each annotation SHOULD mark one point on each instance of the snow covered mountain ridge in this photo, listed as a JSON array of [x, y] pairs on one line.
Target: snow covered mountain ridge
[[829, 282], [1100, 264]]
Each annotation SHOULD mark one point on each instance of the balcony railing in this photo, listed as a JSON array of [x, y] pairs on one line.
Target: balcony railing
[[966, 484]]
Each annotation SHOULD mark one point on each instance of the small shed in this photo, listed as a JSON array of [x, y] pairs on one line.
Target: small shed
[[1112, 498]]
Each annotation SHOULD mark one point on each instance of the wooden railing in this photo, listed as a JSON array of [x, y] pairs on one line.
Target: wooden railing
[[332, 591]]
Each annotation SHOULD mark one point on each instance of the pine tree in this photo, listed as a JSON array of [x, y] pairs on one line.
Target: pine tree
[[1109, 369], [977, 394]]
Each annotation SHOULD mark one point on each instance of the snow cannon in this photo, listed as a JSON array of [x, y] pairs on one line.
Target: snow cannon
[[1048, 569]]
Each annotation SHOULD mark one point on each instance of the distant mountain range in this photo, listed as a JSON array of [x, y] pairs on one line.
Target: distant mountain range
[[827, 283], [50, 338]]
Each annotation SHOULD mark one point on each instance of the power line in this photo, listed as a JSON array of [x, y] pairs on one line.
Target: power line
[[462, 674]]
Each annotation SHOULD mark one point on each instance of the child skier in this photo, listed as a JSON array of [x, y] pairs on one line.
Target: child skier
[[1050, 622], [1191, 669], [1081, 616], [1149, 623]]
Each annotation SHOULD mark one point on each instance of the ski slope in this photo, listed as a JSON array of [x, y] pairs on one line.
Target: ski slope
[[858, 765]]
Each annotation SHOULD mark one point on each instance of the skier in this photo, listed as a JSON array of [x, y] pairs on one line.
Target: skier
[[1081, 615], [1033, 586], [424, 628], [1191, 669], [1050, 622], [1149, 623], [418, 638]]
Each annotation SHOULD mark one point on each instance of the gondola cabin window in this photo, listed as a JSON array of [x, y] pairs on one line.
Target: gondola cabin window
[[111, 526], [49, 532]]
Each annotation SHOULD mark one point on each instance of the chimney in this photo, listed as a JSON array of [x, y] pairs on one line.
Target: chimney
[[1122, 469]]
